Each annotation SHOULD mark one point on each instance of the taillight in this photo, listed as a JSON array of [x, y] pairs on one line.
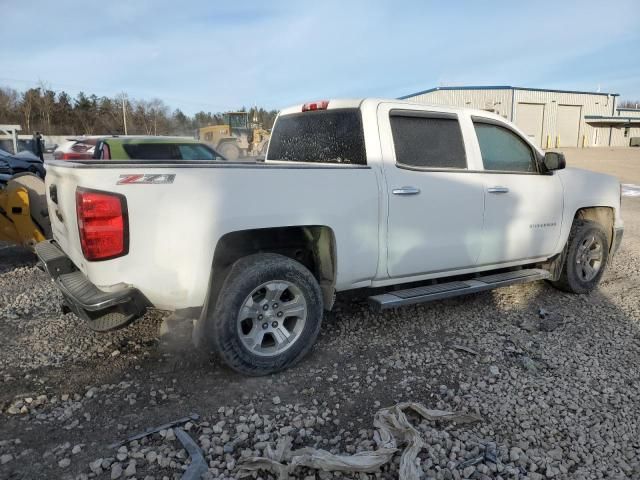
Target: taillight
[[319, 105], [73, 156], [103, 224]]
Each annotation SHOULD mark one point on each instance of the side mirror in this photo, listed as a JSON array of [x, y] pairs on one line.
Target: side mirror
[[554, 161]]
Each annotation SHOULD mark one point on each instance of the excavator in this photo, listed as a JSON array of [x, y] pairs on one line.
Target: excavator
[[24, 218], [237, 137]]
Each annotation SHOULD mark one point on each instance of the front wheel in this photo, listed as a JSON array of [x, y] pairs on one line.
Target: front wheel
[[268, 314], [587, 255]]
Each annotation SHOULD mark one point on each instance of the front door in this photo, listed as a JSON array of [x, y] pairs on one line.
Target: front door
[[523, 208], [435, 205]]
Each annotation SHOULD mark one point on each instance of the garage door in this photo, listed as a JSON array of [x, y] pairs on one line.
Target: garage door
[[529, 117], [568, 125]]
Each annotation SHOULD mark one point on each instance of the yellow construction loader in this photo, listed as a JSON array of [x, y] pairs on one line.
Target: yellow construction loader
[[237, 137], [24, 219]]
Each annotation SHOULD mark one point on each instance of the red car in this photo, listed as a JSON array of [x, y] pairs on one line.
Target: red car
[[79, 148]]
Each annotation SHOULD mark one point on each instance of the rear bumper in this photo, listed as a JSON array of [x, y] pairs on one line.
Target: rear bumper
[[103, 310], [617, 240]]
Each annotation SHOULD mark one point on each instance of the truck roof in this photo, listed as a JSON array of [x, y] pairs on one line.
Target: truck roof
[[147, 139], [336, 103]]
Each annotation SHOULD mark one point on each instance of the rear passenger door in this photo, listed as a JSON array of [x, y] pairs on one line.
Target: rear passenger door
[[523, 206], [435, 204]]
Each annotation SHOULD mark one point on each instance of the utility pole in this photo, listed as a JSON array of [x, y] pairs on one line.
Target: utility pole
[[124, 112]]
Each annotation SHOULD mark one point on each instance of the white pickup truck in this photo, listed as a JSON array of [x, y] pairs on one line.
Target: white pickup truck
[[353, 194]]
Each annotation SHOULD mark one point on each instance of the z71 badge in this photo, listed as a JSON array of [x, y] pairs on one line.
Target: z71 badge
[[146, 178]]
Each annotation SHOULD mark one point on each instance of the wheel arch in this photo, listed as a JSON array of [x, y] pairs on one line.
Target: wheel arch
[[314, 246], [604, 215]]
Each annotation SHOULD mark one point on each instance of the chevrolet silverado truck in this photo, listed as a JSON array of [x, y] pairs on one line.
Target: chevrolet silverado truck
[[413, 202]]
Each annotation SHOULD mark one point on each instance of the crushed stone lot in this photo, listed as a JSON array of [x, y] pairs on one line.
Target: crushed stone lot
[[553, 378]]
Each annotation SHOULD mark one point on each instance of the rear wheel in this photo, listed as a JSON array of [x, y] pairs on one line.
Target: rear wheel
[[587, 255], [267, 316], [229, 150]]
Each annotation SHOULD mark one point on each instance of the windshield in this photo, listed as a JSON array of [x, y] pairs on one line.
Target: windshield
[[323, 136]]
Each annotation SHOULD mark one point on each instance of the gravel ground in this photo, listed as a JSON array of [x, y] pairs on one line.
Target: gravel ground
[[621, 162], [553, 376]]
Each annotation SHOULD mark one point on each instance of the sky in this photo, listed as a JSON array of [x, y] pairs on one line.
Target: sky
[[219, 56]]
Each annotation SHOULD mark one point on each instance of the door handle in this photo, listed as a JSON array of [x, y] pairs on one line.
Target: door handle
[[498, 190], [406, 191]]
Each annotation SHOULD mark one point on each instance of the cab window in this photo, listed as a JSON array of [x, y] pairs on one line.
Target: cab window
[[503, 150], [426, 142]]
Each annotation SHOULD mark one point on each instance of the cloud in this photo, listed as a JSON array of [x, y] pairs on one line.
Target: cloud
[[219, 56]]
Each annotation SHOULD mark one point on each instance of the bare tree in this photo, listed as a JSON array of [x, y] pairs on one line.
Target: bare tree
[[49, 111], [9, 106], [29, 102], [159, 113], [629, 104], [46, 104]]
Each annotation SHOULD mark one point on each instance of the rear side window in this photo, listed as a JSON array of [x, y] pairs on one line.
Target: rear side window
[[428, 142], [503, 150], [321, 136], [151, 151]]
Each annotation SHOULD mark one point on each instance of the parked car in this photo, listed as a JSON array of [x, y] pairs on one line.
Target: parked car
[[23, 162], [50, 147], [5, 168], [5, 172], [353, 194], [78, 148], [153, 148]]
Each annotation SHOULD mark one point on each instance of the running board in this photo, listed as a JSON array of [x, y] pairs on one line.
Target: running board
[[411, 296]]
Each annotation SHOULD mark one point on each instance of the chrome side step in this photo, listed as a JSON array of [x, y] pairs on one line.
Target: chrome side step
[[428, 293]]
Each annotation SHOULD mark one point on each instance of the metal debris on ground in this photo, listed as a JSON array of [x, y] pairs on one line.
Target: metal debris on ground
[[198, 465], [491, 452], [528, 364], [393, 430], [152, 430], [465, 349], [471, 462]]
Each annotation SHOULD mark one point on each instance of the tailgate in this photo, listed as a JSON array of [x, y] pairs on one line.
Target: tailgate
[[61, 183], [145, 188]]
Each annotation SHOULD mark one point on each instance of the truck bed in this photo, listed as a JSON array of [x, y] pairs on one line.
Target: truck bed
[[174, 226]]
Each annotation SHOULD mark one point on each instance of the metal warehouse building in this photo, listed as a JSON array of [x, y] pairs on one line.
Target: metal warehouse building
[[551, 118]]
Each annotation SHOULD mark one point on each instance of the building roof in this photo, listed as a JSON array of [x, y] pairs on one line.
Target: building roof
[[503, 87], [604, 120]]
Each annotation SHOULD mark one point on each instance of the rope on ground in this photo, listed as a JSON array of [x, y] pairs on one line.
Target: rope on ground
[[393, 430]]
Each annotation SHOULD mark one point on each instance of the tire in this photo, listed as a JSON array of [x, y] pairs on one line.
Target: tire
[[229, 151], [258, 344], [574, 278]]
